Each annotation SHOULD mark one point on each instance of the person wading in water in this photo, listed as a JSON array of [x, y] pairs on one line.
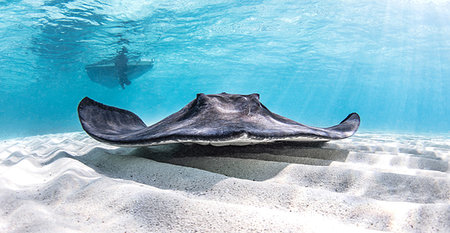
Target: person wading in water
[[121, 65]]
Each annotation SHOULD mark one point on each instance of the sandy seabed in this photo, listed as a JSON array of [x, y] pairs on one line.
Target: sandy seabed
[[370, 182]]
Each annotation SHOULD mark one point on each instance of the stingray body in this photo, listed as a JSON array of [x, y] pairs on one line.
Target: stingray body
[[219, 119]]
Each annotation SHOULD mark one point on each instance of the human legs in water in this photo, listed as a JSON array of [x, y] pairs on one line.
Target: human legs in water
[[123, 79]]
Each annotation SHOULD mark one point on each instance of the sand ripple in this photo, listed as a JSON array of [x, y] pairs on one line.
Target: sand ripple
[[370, 182]]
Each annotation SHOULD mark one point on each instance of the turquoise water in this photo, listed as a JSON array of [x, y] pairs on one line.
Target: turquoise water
[[311, 61]]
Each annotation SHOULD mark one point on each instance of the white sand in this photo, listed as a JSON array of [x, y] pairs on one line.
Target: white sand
[[371, 182]]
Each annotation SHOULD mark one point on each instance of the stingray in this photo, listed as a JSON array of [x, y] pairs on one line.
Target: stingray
[[219, 119]]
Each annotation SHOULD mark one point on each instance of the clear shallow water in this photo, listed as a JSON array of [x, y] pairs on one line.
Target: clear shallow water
[[311, 61]]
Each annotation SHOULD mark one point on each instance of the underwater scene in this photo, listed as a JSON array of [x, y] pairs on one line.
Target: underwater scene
[[312, 61], [224, 116]]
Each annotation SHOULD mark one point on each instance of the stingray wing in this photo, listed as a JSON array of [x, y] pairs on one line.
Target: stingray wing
[[106, 123], [346, 128]]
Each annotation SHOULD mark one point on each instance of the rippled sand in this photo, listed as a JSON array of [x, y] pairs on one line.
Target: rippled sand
[[71, 183]]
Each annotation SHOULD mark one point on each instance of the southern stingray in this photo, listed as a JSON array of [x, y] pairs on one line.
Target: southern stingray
[[219, 119]]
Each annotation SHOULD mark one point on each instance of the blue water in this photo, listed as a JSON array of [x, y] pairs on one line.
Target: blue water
[[311, 61]]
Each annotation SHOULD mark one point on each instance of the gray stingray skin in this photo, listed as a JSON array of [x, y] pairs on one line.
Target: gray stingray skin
[[229, 118]]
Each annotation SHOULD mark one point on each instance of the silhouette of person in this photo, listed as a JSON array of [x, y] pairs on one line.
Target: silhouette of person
[[121, 64]]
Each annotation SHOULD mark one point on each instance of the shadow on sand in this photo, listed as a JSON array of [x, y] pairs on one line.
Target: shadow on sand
[[153, 165], [256, 162]]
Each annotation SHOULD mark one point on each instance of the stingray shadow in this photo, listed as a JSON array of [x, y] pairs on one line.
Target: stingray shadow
[[254, 162], [154, 165]]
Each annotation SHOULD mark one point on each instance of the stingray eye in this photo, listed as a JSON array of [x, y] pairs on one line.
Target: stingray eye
[[201, 98], [200, 95], [255, 96]]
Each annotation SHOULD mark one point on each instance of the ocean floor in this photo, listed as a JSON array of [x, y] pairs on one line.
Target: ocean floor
[[370, 182]]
